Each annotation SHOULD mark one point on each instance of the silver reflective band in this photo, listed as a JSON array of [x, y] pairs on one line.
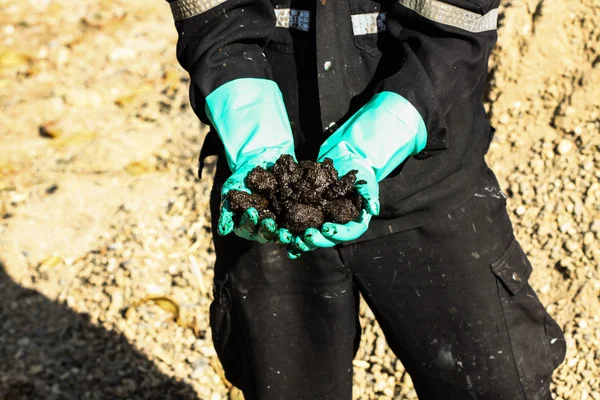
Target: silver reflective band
[[454, 16], [183, 9], [291, 18], [364, 24]]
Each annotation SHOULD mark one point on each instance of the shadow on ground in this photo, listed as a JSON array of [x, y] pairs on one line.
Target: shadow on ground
[[50, 352]]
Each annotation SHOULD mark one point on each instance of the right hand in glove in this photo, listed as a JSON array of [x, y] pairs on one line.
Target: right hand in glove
[[375, 141], [250, 118]]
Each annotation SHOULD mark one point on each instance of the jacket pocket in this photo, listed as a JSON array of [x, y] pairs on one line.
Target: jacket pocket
[[227, 338], [537, 341], [369, 25]]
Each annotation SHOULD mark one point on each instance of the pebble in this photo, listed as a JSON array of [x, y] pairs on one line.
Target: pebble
[[588, 166], [572, 362], [588, 238], [116, 301], [564, 146], [544, 230], [567, 226], [571, 246], [504, 119], [122, 53], [35, 369], [537, 166], [200, 368], [361, 364]]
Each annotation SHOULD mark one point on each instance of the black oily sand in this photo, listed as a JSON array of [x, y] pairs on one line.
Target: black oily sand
[[301, 195]]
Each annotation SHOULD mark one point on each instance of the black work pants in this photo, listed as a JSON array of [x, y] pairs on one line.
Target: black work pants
[[452, 298]]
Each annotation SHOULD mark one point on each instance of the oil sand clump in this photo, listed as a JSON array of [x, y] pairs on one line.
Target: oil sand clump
[[300, 195]]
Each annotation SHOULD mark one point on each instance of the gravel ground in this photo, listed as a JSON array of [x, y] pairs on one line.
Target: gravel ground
[[105, 249]]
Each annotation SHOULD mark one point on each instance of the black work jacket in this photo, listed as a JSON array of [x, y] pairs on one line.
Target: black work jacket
[[329, 57]]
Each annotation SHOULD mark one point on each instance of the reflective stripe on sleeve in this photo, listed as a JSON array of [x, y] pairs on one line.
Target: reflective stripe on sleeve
[[448, 14], [184, 9], [364, 24], [291, 18]]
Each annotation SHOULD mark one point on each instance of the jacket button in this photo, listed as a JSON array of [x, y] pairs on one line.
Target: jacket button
[[516, 277], [327, 66]]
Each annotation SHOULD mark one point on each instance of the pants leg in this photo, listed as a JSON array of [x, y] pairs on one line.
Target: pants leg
[[453, 301], [283, 329]]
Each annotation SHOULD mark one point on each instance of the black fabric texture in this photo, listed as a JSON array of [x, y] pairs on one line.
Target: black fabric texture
[[451, 296]]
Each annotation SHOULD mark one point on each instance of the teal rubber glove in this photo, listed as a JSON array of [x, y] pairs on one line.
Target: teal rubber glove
[[375, 141], [250, 118]]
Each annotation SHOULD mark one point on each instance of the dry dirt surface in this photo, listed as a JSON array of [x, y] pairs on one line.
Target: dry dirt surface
[[105, 248]]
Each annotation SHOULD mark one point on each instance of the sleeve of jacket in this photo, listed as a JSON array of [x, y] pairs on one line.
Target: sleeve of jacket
[[444, 47], [220, 41]]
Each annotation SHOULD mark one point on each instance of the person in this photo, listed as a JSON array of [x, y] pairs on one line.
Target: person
[[393, 89]]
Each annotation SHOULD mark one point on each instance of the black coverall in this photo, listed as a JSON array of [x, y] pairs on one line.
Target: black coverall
[[439, 267]]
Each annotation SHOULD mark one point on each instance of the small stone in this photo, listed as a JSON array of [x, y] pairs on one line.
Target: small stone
[[564, 146], [380, 347], [537, 166], [122, 53], [565, 227], [544, 230], [200, 367], [588, 166], [35, 369], [361, 364], [545, 289], [116, 301], [588, 238], [572, 362], [571, 246]]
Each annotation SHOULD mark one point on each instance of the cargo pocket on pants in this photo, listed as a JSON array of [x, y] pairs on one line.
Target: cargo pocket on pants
[[537, 341], [227, 339]]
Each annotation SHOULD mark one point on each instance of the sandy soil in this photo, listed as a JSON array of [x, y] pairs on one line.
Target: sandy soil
[[105, 250]]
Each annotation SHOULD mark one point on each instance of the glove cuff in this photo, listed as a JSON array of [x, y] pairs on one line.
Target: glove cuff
[[250, 118], [382, 134]]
